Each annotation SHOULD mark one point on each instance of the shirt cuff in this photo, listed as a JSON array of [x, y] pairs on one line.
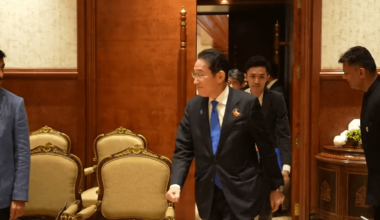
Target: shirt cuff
[[286, 167], [175, 185]]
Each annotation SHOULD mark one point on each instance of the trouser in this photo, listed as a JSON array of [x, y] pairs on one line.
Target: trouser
[[5, 213], [220, 210]]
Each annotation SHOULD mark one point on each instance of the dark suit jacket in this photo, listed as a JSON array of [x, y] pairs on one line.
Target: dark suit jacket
[[235, 162], [14, 149], [278, 88], [274, 110], [370, 131]]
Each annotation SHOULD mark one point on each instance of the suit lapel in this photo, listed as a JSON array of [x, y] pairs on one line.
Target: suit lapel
[[2, 100], [204, 123], [228, 119], [267, 98]]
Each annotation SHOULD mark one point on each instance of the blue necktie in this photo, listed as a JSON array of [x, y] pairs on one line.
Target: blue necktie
[[215, 134]]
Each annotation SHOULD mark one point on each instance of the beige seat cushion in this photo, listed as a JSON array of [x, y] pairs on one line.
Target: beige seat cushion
[[115, 143], [41, 139], [89, 197], [135, 187], [52, 184]]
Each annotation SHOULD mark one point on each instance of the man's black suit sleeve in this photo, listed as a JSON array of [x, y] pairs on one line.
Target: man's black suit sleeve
[[184, 152], [268, 156], [283, 131]]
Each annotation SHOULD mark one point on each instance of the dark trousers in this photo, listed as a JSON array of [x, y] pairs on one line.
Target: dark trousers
[[376, 212], [5, 213], [267, 216], [220, 210]]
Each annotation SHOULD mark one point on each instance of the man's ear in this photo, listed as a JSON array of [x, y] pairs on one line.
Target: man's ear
[[362, 72], [221, 74]]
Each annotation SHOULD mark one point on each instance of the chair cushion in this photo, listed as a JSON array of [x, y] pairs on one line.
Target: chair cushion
[[89, 197], [52, 184], [135, 187], [41, 139], [115, 143]]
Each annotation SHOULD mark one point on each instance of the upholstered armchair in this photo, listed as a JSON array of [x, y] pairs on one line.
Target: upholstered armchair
[[105, 145], [132, 185], [55, 178], [47, 134]]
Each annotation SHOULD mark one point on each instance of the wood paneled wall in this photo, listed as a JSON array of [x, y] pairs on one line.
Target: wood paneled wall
[[137, 56], [128, 61], [56, 97]]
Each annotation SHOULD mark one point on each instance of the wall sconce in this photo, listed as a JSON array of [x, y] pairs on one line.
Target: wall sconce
[[224, 2]]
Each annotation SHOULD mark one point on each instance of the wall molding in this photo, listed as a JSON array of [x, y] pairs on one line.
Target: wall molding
[[333, 74], [25, 73]]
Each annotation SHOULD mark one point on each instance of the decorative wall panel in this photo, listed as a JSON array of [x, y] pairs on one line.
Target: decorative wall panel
[[39, 33], [348, 23]]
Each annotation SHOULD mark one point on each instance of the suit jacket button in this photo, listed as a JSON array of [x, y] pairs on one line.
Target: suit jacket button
[[215, 159], [212, 180]]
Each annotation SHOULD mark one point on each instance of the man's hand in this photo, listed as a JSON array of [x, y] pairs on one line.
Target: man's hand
[[17, 209], [276, 199], [285, 174], [173, 194]]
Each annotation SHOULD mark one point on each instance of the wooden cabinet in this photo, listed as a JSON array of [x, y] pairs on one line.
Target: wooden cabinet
[[341, 184]]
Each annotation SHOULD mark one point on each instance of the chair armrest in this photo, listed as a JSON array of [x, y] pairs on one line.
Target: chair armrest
[[170, 215], [87, 212], [89, 170], [71, 210]]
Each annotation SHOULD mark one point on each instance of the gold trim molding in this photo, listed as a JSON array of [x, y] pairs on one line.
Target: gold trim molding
[[46, 148], [137, 149]]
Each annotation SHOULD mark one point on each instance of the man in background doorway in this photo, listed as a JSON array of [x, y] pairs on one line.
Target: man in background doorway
[[359, 69], [273, 83], [14, 152], [236, 79], [275, 112]]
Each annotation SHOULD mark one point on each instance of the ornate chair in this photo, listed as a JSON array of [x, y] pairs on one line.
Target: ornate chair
[[47, 134], [132, 185], [105, 145], [55, 178]]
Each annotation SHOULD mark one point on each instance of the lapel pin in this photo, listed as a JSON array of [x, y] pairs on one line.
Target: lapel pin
[[236, 112], [201, 112], [366, 129]]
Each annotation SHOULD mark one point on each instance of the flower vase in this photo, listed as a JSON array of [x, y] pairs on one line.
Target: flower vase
[[351, 143]]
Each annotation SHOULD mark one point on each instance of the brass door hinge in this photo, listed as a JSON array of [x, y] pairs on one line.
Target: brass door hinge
[[298, 72], [298, 140], [297, 209]]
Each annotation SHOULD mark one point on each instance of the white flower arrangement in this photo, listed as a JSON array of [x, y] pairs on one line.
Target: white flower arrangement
[[353, 132]]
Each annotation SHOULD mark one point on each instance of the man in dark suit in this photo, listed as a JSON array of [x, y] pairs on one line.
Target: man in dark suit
[[273, 83], [236, 79], [274, 110], [360, 72], [220, 128], [14, 152]]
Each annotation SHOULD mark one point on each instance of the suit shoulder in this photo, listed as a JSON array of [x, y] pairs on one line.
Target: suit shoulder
[[11, 97], [277, 94], [245, 95]]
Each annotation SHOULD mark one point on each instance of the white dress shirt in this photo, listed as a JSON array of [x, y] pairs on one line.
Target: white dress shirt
[[285, 167], [271, 83]]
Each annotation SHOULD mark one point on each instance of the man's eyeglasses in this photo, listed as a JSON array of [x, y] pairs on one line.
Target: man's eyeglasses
[[198, 76]]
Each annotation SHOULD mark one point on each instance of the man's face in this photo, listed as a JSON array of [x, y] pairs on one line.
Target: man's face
[[206, 83], [234, 83], [353, 75], [2, 65], [257, 77]]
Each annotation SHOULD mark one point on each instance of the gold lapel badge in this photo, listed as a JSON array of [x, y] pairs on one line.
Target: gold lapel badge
[[236, 112], [366, 129]]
